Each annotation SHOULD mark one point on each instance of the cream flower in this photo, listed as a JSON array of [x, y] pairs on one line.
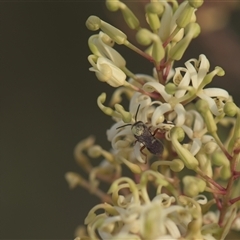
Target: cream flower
[[106, 71], [101, 46]]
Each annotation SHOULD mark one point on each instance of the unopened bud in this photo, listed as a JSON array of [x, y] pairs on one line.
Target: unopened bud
[[196, 3], [170, 88], [176, 135], [126, 116], [203, 107], [230, 109], [185, 17]]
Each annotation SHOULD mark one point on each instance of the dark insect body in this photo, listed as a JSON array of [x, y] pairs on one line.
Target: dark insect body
[[143, 135]]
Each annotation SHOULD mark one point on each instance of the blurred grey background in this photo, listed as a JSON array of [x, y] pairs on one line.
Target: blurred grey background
[[48, 104]]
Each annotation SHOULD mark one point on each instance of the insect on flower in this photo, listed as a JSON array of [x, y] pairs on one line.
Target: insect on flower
[[143, 135]]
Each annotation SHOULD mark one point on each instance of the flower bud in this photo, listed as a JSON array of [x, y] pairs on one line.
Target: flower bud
[[176, 135], [73, 179], [208, 78], [170, 88], [93, 23], [176, 165], [126, 116], [143, 37], [225, 172], [195, 4], [230, 109], [106, 71], [234, 142], [112, 5], [129, 16], [193, 186], [153, 11], [107, 110], [177, 51], [219, 159], [185, 17], [203, 107]]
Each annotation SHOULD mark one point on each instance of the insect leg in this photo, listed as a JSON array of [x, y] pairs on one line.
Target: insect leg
[[156, 130]]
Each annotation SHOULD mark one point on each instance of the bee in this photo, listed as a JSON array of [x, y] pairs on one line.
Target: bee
[[143, 135]]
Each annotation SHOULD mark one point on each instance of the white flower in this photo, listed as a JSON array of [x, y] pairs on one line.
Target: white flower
[[198, 71], [101, 46], [106, 71]]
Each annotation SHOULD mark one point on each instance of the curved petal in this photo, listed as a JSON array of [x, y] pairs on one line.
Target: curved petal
[[198, 121], [109, 52], [216, 92], [193, 73], [159, 113], [158, 87], [203, 67], [185, 80], [212, 104], [196, 146], [188, 131], [180, 110], [137, 152]]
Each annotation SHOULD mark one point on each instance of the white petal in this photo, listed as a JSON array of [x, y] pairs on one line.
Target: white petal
[[203, 68], [158, 87], [212, 104], [179, 109], [172, 228], [184, 82], [111, 53], [198, 122], [193, 73], [137, 153], [196, 146], [216, 92], [114, 75], [159, 112], [188, 131]]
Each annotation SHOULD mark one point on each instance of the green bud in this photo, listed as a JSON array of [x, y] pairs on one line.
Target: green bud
[[193, 185], [107, 110], [158, 50], [185, 17], [225, 172], [177, 51], [155, 7], [208, 78], [93, 23], [143, 37], [219, 159], [153, 11], [112, 5], [196, 4], [133, 167], [171, 88], [236, 134], [176, 135], [126, 116], [230, 109], [129, 17], [203, 107], [114, 33], [176, 165]]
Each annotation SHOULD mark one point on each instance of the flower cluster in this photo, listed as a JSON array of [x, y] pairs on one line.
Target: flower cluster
[[177, 136]]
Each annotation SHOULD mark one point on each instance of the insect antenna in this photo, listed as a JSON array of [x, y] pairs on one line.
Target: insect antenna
[[124, 125], [129, 124], [137, 113]]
